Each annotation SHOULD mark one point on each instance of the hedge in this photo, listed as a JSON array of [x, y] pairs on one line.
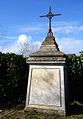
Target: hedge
[[75, 77], [13, 79], [14, 75]]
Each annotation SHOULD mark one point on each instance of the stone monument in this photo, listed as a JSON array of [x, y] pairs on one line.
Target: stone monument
[[47, 75]]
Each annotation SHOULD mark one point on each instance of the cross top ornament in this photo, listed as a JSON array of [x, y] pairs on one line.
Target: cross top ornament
[[49, 15]]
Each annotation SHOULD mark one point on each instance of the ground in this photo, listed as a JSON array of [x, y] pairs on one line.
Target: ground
[[18, 112]]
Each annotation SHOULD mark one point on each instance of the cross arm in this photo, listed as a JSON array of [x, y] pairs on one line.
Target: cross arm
[[44, 15]]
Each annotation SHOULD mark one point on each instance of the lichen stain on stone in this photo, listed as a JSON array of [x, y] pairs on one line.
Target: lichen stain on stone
[[47, 77]]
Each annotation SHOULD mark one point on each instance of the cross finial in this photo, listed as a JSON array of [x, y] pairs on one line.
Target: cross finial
[[49, 16]]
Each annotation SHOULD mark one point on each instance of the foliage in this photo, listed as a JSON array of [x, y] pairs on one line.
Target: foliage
[[14, 72], [75, 76], [13, 78]]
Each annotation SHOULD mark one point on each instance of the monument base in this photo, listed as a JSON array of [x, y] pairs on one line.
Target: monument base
[[46, 87], [43, 108]]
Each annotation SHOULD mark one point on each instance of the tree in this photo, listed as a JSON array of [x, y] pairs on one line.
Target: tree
[[25, 49], [25, 46]]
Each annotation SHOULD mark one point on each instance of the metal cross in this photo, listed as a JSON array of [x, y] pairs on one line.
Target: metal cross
[[49, 16]]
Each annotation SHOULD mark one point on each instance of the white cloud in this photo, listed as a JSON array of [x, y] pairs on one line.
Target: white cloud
[[1, 49], [23, 45], [9, 48], [22, 39], [70, 45], [60, 27], [16, 44], [68, 29], [10, 37], [27, 45], [33, 28], [67, 45]]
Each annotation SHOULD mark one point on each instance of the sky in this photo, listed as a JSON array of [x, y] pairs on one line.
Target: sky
[[20, 23]]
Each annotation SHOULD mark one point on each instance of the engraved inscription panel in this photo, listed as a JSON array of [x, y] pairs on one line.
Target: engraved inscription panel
[[45, 86]]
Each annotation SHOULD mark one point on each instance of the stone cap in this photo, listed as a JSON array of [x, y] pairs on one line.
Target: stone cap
[[47, 54], [46, 60]]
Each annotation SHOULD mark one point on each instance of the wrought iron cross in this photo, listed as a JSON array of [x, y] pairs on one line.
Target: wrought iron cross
[[49, 16]]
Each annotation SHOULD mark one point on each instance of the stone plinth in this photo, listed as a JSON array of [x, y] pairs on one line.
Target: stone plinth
[[46, 81]]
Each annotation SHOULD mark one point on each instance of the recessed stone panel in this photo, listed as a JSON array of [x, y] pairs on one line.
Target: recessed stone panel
[[45, 86]]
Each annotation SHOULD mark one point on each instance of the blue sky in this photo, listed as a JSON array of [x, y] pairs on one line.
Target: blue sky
[[20, 23]]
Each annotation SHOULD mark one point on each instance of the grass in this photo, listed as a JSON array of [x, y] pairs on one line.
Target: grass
[[18, 112]]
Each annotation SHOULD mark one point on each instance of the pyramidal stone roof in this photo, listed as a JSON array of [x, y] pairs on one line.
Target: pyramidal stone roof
[[48, 53], [49, 47]]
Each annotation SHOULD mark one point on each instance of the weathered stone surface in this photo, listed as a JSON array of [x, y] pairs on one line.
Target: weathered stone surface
[[45, 87], [48, 48], [50, 41], [46, 60], [48, 53]]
